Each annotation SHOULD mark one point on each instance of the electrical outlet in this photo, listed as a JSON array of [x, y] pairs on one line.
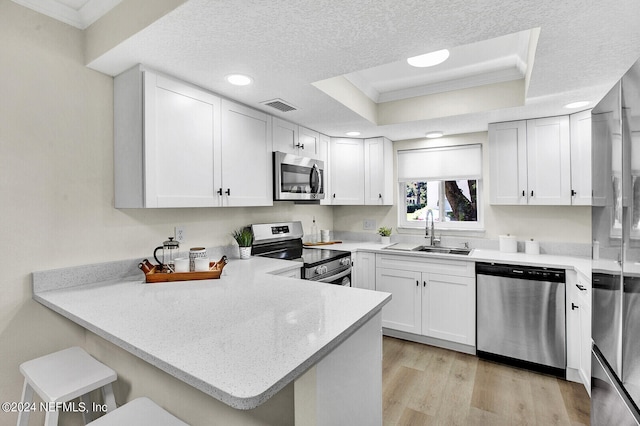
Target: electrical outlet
[[180, 234], [369, 225]]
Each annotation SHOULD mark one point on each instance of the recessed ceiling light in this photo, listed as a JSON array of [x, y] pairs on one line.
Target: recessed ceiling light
[[433, 135], [239, 79], [574, 105], [429, 59], [352, 133]]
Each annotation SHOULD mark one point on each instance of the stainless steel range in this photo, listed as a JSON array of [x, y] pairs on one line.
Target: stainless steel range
[[284, 241]]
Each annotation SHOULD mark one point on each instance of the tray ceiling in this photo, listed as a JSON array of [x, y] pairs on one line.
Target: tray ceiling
[[286, 47]]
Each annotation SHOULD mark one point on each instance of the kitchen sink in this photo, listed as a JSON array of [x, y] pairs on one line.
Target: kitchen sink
[[430, 249], [444, 250]]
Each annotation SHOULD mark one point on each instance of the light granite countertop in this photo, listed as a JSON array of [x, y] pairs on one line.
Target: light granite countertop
[[581, 264], [240, 338], [245, 336]]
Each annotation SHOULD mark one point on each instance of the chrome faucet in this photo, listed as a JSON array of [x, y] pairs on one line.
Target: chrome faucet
[[426, 229]]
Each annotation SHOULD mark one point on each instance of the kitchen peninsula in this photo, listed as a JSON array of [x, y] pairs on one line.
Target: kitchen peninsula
[[240, 339]]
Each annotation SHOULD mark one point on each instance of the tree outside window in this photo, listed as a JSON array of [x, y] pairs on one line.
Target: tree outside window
[[450, 201]]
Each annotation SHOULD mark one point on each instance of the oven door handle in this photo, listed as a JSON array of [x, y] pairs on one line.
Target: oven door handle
[[335, 277]]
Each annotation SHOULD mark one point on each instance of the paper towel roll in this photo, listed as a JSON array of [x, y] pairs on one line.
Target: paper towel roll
[[508, 244], [532, 247]]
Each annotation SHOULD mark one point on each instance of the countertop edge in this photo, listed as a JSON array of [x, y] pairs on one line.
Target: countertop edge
[[253, 402], [579, 264]]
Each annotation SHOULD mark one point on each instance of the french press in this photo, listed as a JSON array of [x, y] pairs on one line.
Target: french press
[[169, 253]]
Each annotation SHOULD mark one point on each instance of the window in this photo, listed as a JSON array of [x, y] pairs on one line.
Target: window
[[446, 181]]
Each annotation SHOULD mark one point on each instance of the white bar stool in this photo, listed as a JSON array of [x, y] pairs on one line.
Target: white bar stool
[[63, 376], [140, 411]]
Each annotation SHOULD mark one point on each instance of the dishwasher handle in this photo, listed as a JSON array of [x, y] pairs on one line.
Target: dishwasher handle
[[532, 273]]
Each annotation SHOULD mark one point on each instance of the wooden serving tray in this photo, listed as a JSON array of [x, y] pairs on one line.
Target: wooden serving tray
[[215, 269], [321, 244]]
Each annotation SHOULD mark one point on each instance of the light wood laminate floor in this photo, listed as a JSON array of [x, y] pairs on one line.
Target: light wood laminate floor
[[425, 385]]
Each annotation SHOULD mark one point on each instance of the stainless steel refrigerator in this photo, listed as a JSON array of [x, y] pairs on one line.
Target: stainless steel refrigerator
[[615, 215]]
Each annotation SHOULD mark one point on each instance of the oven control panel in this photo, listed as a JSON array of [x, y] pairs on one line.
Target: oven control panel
[[277, 230]]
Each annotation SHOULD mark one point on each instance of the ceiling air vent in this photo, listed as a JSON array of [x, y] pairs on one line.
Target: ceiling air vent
[[280, 105]]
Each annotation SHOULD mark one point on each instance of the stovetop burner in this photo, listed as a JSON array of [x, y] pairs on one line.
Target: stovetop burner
[[284, 241]]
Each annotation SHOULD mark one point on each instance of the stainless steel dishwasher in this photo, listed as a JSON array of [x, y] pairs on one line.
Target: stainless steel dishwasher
[[521, 316]]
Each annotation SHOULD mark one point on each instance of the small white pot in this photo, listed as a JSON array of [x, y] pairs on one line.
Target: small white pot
[[245, 252], [385, 240]]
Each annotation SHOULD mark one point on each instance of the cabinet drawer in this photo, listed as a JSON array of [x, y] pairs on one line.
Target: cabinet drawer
[[444, 266]]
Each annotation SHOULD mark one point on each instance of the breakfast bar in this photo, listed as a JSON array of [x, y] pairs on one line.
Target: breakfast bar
[[239, 339]]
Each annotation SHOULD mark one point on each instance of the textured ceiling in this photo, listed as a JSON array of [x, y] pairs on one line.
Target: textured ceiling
[[583, 48]]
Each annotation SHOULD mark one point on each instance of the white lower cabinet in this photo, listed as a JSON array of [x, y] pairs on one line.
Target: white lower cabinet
[[404, 312], [449, 308], [363, 274], [579, 328], [433, 298]]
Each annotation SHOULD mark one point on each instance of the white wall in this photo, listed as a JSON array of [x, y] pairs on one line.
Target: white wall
[[543, 223], [56, 208]]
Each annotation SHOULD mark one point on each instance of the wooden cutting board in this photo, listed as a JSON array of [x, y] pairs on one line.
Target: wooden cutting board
[[322, 244]]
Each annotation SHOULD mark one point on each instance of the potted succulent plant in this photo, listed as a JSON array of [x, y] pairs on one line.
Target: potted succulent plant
[[385, 234], [244, 238]]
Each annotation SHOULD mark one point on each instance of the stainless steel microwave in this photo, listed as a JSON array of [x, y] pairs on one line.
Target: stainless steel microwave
[[297, 178]]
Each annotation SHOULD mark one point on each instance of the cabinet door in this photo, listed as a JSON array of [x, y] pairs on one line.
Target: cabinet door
[[508, 162], [246, 156], [549, 161], [285, 136], [403, 312], [365, 270], [573, 321], [347, 171], [449, 308], [585, 342], [324, 156], [603, 133], [581, 158], [584, 299], [181, 131], [308, 141], [378, 172]]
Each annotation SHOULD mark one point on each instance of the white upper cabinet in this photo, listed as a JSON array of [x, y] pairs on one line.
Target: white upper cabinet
[[285, 136], [604, 138], [324, 143], [246, 178], [549, 161], [308, 141], [293, 139], [165, 136], [544, 161], [347, 171], [177, 145], [581, 158], [378, 172], [361, 171], [508, 162]]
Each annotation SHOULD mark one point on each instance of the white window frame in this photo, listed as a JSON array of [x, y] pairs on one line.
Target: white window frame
[[440, 164], [477, 225]]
